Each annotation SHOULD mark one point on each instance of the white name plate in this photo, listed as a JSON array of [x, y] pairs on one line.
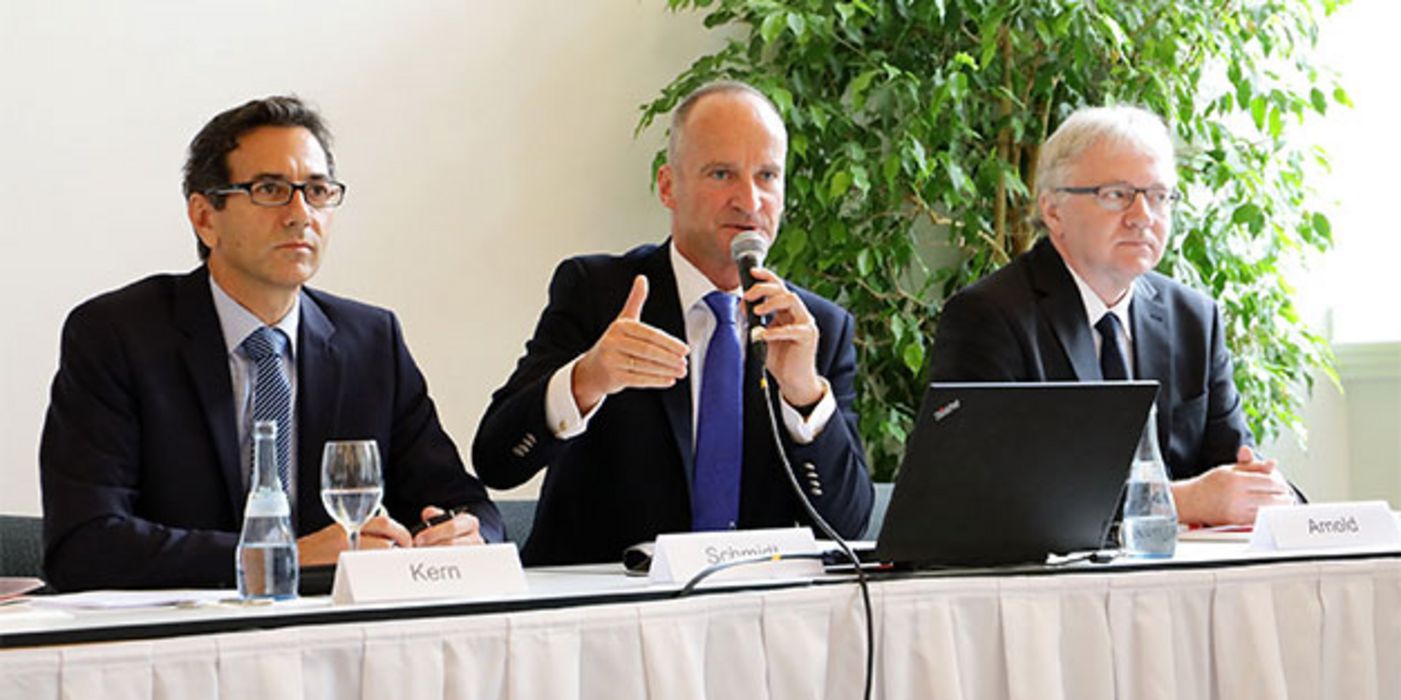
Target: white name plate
[[426, 573], [1325, 526], [679, 556]]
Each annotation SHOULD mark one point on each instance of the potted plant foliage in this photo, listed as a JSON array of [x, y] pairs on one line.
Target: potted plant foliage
[[915, 127]]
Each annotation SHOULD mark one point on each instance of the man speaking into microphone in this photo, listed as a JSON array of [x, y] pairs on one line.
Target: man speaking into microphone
[[640, 389]]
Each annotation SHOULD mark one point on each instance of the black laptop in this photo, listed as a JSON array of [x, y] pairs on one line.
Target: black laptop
[[1000, 474]]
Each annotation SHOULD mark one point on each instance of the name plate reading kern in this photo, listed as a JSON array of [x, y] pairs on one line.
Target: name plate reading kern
[[1325, 526], [679, 556], [427, 573]]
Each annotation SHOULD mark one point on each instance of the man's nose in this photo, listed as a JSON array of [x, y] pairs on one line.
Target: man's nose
[[1140, 212], [746, 196], [297, 210]]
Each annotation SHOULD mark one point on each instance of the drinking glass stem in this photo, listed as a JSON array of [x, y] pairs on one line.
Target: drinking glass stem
[[354, 535]]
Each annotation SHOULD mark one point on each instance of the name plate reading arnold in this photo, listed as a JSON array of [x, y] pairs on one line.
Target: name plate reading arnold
[[1325, 526], [427, 573], [677, 557]]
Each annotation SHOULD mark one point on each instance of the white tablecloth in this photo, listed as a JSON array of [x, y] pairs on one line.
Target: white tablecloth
[[1289, 630]]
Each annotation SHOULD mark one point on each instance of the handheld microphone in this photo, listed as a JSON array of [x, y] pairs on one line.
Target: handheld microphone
[[748, 250]]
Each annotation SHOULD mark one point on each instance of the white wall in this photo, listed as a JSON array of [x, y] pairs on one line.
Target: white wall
[[482, 142], [1354, 446]]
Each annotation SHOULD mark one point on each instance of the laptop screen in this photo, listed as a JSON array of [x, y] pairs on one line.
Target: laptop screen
[[1011, 472]]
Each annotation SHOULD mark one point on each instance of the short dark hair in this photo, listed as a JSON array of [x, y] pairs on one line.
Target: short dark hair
[[207, 165]]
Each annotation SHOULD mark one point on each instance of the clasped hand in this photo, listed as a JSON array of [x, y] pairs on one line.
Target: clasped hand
[[1232, 494], [383, 532]]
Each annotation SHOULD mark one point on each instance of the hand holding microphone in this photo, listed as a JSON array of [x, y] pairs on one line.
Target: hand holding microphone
[[748, 250], [789, 338]]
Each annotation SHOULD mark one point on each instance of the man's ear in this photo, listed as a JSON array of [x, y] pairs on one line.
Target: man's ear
[[1050, 214], [201, 212], [666, 179]]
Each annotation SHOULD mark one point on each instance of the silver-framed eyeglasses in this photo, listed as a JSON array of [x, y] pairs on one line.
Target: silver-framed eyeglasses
[[320, 193], [1118, 196]]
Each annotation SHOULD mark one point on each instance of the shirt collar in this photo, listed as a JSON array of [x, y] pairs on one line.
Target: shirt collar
[[238, 322], [1095, 307], [691, 284]]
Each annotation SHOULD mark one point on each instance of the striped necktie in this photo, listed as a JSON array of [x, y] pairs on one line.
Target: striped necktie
[[272, 391]]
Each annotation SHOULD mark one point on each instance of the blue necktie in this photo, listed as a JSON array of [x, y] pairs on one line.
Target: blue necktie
[[1112, 365], [720, 426], [272, 392]]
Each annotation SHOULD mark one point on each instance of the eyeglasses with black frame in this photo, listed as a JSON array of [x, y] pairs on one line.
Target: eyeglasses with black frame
[[275, 192], [1119, 197]]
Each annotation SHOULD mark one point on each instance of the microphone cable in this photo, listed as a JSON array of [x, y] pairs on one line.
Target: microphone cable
[[713, 569], [861, 581], [769, 398]]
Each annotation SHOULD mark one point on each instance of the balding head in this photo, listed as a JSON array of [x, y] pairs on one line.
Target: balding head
[[682, 113], [723, 176]]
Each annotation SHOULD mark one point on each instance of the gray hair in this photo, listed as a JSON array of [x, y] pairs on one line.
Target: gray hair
[[1119, 125], [689, 102]]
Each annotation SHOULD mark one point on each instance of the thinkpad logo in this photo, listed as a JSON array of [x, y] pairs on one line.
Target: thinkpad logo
[[943, 411]]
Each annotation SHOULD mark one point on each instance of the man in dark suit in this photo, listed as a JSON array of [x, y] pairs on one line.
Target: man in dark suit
[[1084, 304], [145, 456], [620, 393]]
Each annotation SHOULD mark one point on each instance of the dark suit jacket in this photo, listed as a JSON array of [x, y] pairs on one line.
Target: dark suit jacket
[[1026, 323], [625, 479], [139, 457]]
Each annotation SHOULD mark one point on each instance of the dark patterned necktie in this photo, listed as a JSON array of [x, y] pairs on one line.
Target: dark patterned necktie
[[272, 391]]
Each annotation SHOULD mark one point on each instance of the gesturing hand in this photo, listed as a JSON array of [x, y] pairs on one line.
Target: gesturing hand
[[629, 355]]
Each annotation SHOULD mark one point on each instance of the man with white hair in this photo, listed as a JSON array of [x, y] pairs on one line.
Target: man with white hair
[[1084, 304]]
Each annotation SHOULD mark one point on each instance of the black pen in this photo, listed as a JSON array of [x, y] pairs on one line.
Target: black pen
[[439, 519]]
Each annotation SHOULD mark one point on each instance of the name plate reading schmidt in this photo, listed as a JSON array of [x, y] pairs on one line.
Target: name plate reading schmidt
[[679, 556], [1325, 526], [376, 576]]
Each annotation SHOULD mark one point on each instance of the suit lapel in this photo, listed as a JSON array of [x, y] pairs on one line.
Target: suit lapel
[[663, 310], [318, 399], [207, 358], [1061, 304], [1153, 347]]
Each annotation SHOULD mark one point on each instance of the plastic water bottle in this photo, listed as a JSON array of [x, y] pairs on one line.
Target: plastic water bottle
[[1149, 529], [267, 550]]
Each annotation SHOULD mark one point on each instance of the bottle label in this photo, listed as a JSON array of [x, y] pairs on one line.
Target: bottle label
[[267, 503]]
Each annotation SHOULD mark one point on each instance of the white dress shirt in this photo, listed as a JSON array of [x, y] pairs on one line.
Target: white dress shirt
[[237, 324], [691, 287], [1095, 309]]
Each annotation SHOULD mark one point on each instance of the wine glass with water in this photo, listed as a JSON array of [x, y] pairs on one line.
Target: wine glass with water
[[351, 484]]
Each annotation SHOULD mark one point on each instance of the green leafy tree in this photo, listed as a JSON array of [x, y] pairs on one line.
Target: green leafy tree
[[915, 128]]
